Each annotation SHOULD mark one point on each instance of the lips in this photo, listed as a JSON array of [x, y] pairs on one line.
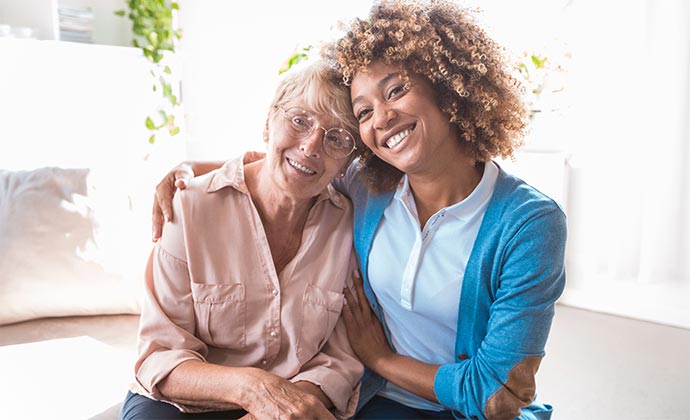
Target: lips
[[300, 167], [394, 140]]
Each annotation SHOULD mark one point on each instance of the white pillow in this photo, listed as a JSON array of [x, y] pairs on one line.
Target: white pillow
[[66, 246]]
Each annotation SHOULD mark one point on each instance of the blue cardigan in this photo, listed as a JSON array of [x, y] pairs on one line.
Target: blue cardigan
[[514, 276]]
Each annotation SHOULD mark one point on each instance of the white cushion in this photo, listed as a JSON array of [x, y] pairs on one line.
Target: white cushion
[[67, 245]]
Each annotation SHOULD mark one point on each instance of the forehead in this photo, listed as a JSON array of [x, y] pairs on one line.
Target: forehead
[[376, 73], [324, 117]]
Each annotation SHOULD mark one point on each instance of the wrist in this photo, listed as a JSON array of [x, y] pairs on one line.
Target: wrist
[[242, 389], [382, 362], [316, 391]]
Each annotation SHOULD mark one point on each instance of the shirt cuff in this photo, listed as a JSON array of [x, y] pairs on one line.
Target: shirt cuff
[[158, 365], [336, 388]]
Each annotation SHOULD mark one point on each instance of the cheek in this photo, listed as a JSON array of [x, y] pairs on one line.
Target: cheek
[[367, 135]]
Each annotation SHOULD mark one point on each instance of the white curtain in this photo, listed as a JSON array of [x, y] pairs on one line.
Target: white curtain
[[629, 138]]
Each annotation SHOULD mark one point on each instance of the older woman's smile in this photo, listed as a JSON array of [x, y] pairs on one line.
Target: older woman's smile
[[300, 167]]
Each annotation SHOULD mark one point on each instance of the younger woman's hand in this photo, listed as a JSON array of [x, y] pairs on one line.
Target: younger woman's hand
[[364, 330], [178, 177]]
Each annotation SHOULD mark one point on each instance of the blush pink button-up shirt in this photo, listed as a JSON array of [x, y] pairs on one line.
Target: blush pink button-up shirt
[[215, 295]]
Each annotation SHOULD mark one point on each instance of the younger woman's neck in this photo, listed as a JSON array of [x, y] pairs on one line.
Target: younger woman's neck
[[444, 187]]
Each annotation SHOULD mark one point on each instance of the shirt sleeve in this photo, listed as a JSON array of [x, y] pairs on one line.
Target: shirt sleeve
[[499, 379], [336, 369], [166, 329]]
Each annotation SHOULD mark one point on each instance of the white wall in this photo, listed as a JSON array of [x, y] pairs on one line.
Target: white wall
[[231, 53]]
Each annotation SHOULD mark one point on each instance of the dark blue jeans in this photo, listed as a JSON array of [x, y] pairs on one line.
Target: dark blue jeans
[[380, 408], [138, 407]]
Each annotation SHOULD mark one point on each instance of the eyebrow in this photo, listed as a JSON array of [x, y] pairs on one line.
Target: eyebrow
[[380, 84]]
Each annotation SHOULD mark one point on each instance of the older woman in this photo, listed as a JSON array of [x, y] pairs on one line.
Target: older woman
[[242, 310], [461, 262]]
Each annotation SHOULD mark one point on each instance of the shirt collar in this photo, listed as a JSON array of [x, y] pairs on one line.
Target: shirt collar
[[231, 174], [461, 209]]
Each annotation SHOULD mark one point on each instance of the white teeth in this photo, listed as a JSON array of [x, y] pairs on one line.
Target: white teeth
[[301, 168], [393, 141]]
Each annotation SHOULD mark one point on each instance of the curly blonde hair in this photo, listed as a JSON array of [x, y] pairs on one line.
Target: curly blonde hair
[[440, 40]]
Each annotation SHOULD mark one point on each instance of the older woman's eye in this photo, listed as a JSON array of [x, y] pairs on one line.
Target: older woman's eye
[[300, 122]]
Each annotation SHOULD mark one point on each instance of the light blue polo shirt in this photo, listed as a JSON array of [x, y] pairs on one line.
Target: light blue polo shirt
[[419, 284]]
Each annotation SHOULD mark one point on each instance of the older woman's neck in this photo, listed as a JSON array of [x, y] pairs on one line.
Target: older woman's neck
[[273, 204], [283, 217]]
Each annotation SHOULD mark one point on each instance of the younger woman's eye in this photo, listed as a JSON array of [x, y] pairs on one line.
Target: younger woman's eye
[[396, 90], [361, 115]]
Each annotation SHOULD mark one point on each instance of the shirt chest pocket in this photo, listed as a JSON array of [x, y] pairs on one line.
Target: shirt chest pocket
[[220, 314], [320, 312]]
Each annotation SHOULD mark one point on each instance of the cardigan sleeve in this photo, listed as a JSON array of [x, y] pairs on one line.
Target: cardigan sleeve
[[499, 378]]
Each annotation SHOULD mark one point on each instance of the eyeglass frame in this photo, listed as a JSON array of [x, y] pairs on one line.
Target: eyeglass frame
[[317, 125]]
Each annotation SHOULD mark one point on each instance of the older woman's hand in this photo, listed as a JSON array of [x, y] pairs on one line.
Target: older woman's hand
[[364, 330], [272, 397]]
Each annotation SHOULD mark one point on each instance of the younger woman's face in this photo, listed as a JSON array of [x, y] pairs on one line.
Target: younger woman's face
[[402, 123]]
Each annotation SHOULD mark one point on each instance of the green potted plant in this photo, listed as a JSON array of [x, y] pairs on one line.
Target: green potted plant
[[153, 27]]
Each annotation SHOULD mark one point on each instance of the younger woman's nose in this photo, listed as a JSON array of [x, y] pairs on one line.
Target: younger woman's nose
[[383, 116]]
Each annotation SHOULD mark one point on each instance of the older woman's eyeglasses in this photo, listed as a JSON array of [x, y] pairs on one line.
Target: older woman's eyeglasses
[[337, 142]]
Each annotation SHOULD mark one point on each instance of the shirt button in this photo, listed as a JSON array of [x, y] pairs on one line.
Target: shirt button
[[264, 362], [274, 292], [273, 334]]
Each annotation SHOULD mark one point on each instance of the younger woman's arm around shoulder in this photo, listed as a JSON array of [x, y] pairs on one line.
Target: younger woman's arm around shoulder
[[178, 177]]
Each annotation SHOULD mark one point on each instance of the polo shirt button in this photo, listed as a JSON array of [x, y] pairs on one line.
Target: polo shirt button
[[274, 292], [264, 362], [273, 334], [462, 356]]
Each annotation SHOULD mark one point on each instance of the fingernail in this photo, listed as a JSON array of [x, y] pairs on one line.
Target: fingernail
[[357, 273], [167, 218], [344, 301]]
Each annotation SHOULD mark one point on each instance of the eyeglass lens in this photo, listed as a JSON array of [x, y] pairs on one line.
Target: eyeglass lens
[[337, 142]]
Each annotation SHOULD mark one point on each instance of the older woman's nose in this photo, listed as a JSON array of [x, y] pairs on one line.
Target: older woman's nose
[[311, 144]]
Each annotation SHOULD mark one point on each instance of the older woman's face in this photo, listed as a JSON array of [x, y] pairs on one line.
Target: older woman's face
[[402, 124], [299, 163]]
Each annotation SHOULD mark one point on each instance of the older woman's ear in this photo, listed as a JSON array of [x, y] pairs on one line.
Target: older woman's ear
[[266, 131]]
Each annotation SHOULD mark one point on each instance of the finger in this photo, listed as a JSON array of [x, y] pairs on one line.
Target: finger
[[156, 222], [165, 191], [348, 318], [352, 306], [182, 176], [315, 410], [359, 288]]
